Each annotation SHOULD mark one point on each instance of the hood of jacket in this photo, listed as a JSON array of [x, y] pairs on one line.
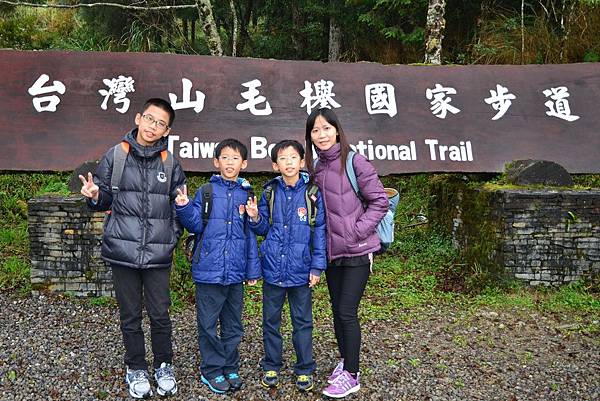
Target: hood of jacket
[[144, 151]]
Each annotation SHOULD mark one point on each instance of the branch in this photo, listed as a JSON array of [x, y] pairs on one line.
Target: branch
[[79, 5]]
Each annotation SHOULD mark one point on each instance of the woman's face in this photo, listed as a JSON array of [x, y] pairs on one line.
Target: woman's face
[[323, 134]]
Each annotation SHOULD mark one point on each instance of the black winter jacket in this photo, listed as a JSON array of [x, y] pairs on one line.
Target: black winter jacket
[[142, 229]]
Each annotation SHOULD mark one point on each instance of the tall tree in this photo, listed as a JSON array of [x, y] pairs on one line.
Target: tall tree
[[434, 32], [213, 40], [335, 33]]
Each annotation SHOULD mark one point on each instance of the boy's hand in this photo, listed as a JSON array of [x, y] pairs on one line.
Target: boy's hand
[[89, 189], [252, 282], [313, 280], [252, 209], [182, 199]]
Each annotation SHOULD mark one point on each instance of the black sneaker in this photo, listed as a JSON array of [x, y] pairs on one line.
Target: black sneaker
[[235, 383], [217, 385], [304, 382], [270, 379]]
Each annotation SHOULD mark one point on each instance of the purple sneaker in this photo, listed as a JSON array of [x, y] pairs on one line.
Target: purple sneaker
[[336, 372], [343, 385]]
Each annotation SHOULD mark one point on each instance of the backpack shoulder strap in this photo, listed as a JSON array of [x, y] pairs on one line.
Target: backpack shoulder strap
[[311, 204], [270, 198], [120, 152], [207, 197], [352, 174], [167, 159]]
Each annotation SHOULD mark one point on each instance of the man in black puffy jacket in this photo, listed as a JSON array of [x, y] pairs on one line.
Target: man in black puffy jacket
[[140, 234]]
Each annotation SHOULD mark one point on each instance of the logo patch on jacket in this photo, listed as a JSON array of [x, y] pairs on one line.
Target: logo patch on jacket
[[161, 177], [302, 213]]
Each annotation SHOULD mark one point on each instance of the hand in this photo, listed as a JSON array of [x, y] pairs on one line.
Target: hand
[[252, 209], [252, 282], [182, 199], [313, 280], [89, 189]]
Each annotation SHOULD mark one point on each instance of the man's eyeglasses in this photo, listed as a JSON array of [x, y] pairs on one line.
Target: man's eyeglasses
[[151, 120]]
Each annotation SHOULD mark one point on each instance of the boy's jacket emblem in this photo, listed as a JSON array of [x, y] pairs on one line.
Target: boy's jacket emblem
[[161, 177]]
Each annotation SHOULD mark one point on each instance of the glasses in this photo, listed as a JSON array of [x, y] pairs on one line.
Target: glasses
[[151, 120], [292, 158], [226, 158]]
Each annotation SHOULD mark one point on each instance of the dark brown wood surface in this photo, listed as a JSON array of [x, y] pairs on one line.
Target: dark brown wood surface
[[79, 130]]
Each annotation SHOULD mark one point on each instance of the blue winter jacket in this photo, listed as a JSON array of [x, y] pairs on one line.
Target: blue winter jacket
[[227, 252], [288, 253]]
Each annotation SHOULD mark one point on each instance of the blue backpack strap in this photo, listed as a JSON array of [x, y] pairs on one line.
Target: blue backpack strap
[[352, 174]]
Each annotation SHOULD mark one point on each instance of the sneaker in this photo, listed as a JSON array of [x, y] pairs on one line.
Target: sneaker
[[166, 384], [235, 383], [339, 368], [139, 385], [343, 385], [270, 379], [304, 382], [217, 385]]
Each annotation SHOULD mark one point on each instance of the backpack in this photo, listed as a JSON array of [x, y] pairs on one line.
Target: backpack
[[310, 195], [385, 228], [120, 152], [192, 240]]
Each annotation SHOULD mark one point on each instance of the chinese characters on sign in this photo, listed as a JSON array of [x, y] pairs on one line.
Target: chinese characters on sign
[[117, 87], [380, 98], [38, 89]]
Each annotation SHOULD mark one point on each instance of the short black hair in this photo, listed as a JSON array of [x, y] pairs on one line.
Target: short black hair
[[161, 104], [233, 144], [286, 143]]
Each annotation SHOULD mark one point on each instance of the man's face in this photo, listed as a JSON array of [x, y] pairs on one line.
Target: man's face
[[289, 163], [152, 125], [230, 163]]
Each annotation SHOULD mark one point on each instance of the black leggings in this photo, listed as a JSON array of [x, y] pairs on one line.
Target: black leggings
[[346, 287]]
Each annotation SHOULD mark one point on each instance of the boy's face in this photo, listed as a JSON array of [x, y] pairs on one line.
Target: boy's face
[[230, 163], [289, 162], [152, 125]]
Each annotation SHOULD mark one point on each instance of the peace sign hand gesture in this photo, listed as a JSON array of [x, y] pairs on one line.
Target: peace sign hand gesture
[[89, 189], [182, 198], [252, 209]]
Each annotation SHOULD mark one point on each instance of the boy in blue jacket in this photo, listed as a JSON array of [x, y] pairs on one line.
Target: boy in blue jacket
[[225, 255], [291, 217]]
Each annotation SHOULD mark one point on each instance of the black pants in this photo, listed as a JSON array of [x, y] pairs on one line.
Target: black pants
[[148, 287], [219, 304], [346, 287], [300, 300]]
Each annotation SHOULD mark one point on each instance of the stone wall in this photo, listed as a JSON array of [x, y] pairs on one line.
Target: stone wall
[[549, 237], [65, 238]]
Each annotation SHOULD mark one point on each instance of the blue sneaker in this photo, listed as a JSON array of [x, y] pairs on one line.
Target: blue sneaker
[[235, 382], [217, 385]]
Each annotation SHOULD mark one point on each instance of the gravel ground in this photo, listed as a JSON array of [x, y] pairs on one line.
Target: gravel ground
[[54, 348]]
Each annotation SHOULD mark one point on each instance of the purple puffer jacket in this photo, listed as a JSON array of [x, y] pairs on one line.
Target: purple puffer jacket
[[350, 227]]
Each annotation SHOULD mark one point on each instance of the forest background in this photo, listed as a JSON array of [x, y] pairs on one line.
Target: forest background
[[422, 266]]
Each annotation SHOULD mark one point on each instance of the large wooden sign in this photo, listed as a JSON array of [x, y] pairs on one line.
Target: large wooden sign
[[60, 109]]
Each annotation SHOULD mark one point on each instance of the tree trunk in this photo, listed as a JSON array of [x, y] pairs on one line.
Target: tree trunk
[[245, 19], [335, 34], [434, 32], [234, 35], [209, 26], [193, 34], [298, 39]]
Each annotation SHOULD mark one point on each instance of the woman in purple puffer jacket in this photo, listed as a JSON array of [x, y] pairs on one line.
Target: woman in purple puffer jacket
[[351, 237]]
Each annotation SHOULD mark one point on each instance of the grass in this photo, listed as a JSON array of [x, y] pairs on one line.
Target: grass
[[411, 276]]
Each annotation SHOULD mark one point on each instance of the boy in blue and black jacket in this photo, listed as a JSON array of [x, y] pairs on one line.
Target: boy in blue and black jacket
[[291, 217], [224, 257]]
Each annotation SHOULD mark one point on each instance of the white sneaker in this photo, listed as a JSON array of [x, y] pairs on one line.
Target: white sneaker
[[165, 380], [139, 385]]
